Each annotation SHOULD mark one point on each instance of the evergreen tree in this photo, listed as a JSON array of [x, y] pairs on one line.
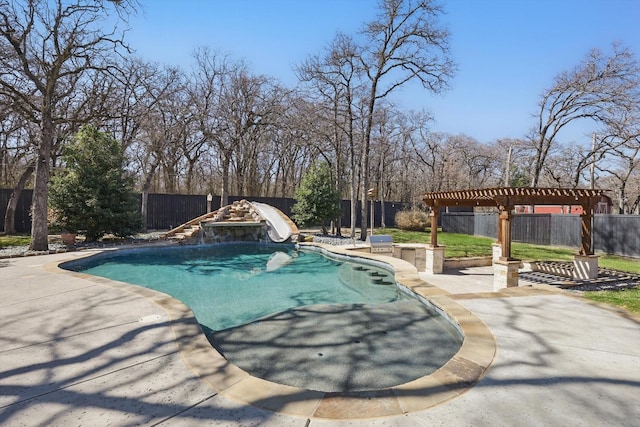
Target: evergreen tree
[[316, 200], [93, 193]]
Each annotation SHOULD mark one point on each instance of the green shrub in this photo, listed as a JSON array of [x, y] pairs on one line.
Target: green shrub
[[316, 200], [413, 220], [93, 193]]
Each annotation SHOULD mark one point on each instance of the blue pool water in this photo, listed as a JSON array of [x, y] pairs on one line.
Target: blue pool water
[[229, 285]]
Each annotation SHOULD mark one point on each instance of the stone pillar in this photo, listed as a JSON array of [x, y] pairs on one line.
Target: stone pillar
[[414, 254], [434, 259], [505, 274], [585, 267], [421, 258], [397, 251], [496, 251]]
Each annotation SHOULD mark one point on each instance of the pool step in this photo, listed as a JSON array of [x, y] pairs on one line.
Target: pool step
[[382, 281], [373, 273], [187, 232], [361, 276]]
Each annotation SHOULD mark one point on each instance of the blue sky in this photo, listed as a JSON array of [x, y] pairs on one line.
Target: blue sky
[[507, 51]]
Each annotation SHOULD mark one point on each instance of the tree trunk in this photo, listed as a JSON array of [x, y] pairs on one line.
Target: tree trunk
[[338, 183], [354, 196], [144, 207], [634, 207], [623, 195], [366, 160], [224, 193], [364, 210], [190, 171], [12, 204], [364, 174], [39, 205], [145, 194], [383, 217]]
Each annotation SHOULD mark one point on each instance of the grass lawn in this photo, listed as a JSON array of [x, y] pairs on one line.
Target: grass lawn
[[614, 262], [463, 245], [7, 241], [628, 299], [528, 252], [458, 245]]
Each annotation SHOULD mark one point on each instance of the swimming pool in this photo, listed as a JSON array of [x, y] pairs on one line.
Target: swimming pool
[[228, 285], [294, 316]]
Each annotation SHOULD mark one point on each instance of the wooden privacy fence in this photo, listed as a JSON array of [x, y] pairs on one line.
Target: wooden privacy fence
[[165, 211], [22, 218], [612, 234]]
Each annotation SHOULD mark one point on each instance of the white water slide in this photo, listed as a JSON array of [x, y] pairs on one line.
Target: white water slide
[[277, 227]]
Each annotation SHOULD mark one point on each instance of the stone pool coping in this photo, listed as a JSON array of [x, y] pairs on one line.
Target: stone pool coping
[[458, 375]]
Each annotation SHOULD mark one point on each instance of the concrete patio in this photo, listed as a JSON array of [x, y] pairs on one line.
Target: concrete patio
[[75, 351]]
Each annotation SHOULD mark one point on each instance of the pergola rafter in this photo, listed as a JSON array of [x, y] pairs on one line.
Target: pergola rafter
[[506, 198]]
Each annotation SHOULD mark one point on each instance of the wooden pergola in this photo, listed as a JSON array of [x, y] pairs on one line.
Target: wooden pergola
[[506, 198]]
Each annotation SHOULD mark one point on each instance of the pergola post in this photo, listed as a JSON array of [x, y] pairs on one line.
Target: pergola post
[[587, 227], [585, 264], [504, 231], [434, 225], [500, 238], [505, 269]]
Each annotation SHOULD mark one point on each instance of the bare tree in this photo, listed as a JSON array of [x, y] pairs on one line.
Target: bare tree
[[595, 90], [622, 161], [513, 155], [387, 139], [140, 86], [430, 149], [575, 164], [15, 145], [48, 46], [480, 166], [405, 43], [234, 106], [334, 80], [16, 157], [627, 163], [210, 76], [294, 150], [562, 167], [454, 162], [255, 111], [408, 178], [150, 104]]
